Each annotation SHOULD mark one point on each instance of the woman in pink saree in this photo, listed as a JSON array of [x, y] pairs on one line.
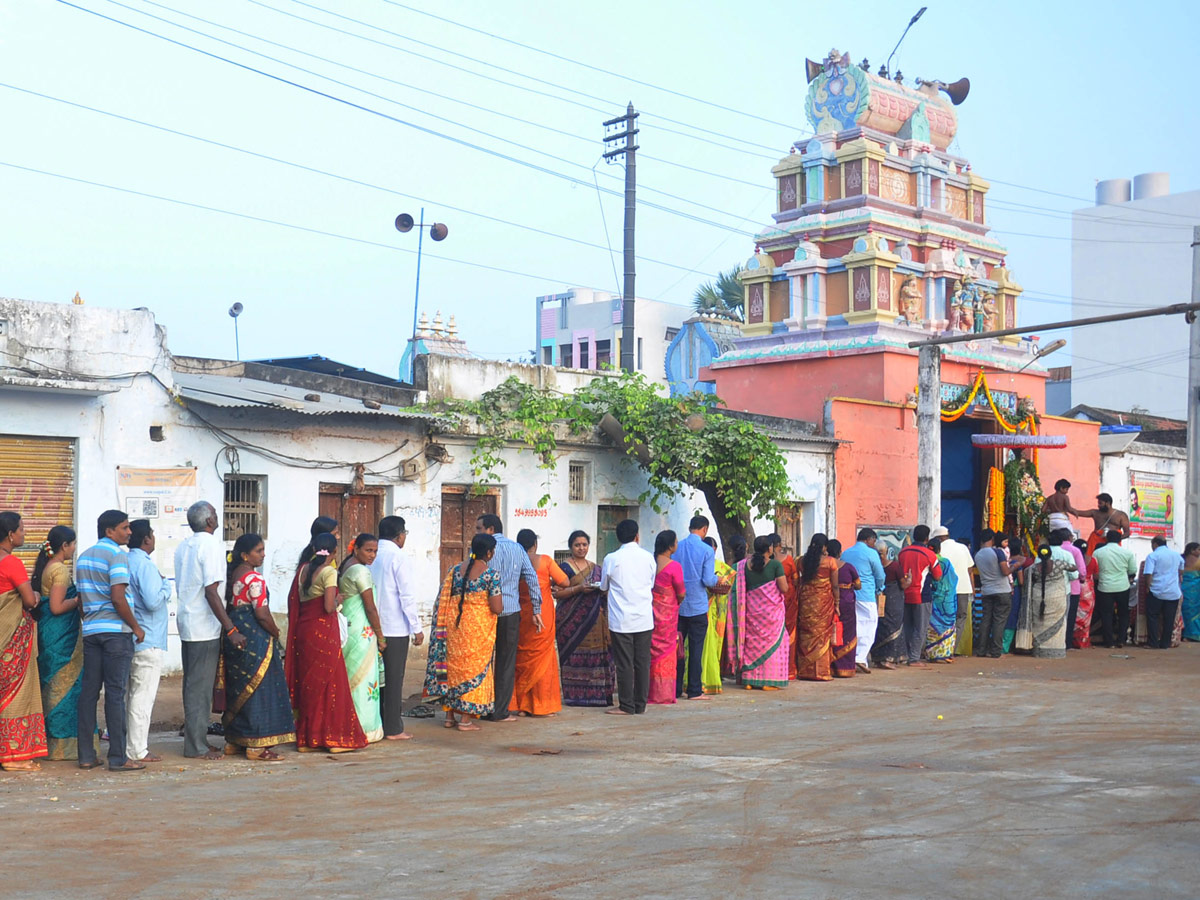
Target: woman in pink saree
[[756, 632], [668, 592]]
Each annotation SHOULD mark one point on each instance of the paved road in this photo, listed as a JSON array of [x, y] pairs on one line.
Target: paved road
[[1076, 778]]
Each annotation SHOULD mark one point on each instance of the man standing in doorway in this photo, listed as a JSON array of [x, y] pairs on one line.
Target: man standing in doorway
[[1058, 505], [628, 576], [395, 596], [148, 595], [917, 561], [868, 599], [1116, 570], [960, 557], [199, 579], [109, 633], [1104, 518], [511, 563], [698, 561], [1163, 577]]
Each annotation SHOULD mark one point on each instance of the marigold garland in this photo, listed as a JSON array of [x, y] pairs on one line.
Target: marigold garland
[[993, 516]]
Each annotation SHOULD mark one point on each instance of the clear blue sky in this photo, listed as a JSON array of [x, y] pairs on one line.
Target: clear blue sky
[[1062, 94]]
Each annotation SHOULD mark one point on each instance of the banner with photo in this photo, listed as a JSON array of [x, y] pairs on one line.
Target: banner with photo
[[1151, 505], [162, 496]]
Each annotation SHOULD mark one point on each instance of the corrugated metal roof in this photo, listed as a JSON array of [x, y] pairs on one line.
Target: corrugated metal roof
[[234, 393]]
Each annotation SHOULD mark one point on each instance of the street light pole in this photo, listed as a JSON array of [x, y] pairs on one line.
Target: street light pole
[[437, 232]]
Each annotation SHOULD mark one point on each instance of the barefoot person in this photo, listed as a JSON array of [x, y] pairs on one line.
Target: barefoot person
[[461, 651], [537, 690], [396, 598], [758, 640], [628, 577], [670, 592], [148, 595], [21, 720], [698, 562], [1104, 519], [1057, 506]]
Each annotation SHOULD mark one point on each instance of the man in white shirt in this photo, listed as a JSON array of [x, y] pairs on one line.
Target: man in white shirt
[[628, 576], [960, 558], [199, 584], [395, 597]]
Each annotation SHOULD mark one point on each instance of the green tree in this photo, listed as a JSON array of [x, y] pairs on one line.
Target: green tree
[[721, 298], [679, 442]]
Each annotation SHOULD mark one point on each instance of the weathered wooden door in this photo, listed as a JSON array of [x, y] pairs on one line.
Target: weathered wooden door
[[607, 519], [460, 509], [356, 513]]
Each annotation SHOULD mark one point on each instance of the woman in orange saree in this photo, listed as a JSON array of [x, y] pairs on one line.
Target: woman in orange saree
[[818, 609], [537, 690]]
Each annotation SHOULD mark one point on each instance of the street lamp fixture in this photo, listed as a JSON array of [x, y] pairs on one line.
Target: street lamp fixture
[[437, 232]]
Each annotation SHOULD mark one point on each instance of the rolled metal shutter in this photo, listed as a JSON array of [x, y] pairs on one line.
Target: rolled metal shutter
[[37, 480]]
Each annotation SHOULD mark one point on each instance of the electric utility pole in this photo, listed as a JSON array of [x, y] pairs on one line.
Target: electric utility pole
[[622, 130], [929, 397], [1192, 508]]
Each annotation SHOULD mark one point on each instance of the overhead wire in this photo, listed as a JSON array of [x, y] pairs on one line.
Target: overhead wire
[[327, 174], [371, 111]]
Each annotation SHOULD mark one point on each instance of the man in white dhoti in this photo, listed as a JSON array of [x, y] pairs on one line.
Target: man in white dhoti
[[1058, 505], [868, 599]]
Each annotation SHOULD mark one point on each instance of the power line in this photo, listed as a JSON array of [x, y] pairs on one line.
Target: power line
[[577, 62], [369, 93], [343, 178], [774, 150], [422, 128]]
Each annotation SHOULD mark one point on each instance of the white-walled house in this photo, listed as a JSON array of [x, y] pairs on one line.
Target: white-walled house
[[90, 398]]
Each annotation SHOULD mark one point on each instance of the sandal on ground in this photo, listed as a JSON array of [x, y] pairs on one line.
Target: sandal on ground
[[130, 766], [264, 755], [94, 764]]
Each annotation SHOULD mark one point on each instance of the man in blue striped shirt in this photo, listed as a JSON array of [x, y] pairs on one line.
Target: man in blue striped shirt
[[109, 631], [511, 562]]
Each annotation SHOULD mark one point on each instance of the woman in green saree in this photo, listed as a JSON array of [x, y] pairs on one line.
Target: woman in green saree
[[364, 635], [60, 643]]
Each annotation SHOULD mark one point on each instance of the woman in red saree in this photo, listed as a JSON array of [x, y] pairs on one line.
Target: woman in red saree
[[818, 609], [536, 687], [22, 726], [757, 633], [668, 592], [316, 670]]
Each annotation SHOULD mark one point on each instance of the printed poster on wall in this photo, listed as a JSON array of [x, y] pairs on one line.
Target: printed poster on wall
[[1151, 505], [162, 496]]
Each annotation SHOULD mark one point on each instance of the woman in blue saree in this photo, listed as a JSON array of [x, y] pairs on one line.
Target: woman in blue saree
[[589, 676], [258, 710], [1190, 607], [942, 634], [60, 643]]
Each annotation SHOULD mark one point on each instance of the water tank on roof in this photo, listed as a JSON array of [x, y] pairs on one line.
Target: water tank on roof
[[1112, 191], [1151, 184]]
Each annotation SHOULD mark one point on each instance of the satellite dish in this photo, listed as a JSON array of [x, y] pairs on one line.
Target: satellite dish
[[404, 222], [235, 310], [438, 231]]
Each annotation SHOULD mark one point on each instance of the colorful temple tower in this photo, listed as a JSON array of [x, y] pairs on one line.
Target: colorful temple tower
[[880, 238]]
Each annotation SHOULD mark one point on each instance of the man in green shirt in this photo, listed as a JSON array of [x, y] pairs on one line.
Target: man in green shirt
[[1116, 571]]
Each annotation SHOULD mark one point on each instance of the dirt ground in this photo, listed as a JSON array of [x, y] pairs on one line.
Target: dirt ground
[[984, 779]]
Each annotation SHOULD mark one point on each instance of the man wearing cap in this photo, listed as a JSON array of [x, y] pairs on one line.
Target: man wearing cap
[[960, 558]]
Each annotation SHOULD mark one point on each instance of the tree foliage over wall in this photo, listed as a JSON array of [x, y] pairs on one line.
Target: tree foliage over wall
[[679, 442]]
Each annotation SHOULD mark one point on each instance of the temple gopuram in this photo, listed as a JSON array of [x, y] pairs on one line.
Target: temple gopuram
[[880, 238]]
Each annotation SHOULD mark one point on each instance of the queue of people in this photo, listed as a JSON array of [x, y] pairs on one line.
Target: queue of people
[[514, 633]]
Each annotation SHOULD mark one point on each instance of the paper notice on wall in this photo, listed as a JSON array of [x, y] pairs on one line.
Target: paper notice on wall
[[1151, 505], [162, 496]]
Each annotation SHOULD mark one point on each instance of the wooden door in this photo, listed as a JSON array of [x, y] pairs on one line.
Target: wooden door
[[356, 513], [607, 519], [460, 509]]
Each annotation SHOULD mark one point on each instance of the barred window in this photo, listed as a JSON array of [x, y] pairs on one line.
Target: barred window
[[244, 507], [579, 478]]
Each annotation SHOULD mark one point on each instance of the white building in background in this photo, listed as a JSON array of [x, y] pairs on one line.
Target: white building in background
[[581, 329], [96, 413], [1132, 251]]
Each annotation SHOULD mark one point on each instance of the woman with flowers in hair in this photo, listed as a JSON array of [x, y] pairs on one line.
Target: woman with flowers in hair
[[258, 715], [316, 669], [60, 641], [364, 635], [464, 638]]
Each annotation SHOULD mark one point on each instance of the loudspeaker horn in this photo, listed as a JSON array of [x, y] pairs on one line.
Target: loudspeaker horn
[[438, 231], [812, 69], [404, 222], [958, 91], [235, 310]]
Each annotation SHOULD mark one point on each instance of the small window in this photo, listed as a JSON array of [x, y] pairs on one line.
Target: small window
[[603, 354], [244, 507], [583, 356], [579, 480], [564, 354], [562, 315], [639, 365], [548, 356], [672, 333]]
